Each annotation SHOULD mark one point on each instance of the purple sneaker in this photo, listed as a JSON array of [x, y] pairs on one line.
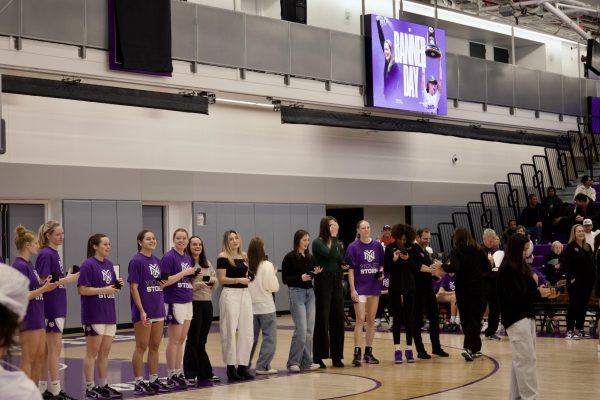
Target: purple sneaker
[[370, 359], [409, 356], [398, 356]]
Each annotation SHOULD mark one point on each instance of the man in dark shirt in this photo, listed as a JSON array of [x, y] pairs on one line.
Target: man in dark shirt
[[511, 230], [425, 300], [533, 217]]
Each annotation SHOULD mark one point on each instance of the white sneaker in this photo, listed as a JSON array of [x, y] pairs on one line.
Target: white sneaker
[[268, 372], [296, 368], [314, 366], [484, 327]]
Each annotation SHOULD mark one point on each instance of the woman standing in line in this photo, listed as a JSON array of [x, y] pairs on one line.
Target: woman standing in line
[[469, 263], [297, 271], [366, 273], [98, 286], [178, 295], [517, 291], [265, 283], [147, 313], [32, 334], [196, 364], [401, 269], [329, 295], [48, 263], [235, 307], [577, 262]]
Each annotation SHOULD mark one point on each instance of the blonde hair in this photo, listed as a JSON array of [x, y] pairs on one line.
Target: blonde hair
[[23, 236], [586, 246], [229, 252], [46, 229]]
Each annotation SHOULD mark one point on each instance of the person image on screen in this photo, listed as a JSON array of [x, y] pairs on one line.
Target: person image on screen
[[391, 70], [431, 90]]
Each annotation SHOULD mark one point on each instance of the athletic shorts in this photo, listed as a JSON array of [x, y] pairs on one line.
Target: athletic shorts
[[55, 325], [178, 313], [100, 329]]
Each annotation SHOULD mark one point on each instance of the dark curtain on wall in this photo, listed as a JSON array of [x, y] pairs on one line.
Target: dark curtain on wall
[[143, 34]]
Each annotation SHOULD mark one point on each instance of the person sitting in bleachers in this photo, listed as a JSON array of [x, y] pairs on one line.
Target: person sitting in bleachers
[[511, 230], [533, 217], [551, 201], [590, 234], [586, 188], [446, 294], [551, 269]]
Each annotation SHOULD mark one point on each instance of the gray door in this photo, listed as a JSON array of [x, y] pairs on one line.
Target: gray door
[[153, 220], [31, 216]]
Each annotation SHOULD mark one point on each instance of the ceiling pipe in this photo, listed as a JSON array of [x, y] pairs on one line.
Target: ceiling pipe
[[568, 21], [573, 7], [522, 4]]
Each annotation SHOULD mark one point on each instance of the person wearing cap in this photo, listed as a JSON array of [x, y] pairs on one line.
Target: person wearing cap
[[586, 188], [431, 90], [386, 235], [590, 234], [14, 300]]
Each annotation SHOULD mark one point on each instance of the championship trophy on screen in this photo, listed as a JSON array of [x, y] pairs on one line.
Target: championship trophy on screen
[[432, 50]]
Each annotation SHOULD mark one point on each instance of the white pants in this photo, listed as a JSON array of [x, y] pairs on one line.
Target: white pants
[[235, 314], [523, 380]]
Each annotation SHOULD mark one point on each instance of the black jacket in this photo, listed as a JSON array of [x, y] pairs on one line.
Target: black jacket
[[402, 272], [469, 264], [578, 263], [516, 294]]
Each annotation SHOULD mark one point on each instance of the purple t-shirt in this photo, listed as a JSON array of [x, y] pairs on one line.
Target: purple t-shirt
[[34, 319], [48, 262], [366, 260], [447, 282], [144, 271], [180, 292], [100, 308]]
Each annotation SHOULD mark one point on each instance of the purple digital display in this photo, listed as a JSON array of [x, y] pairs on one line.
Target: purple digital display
[[594, 114], [405, 65]]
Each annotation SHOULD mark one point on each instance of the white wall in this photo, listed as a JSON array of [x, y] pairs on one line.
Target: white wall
[[380, 216], [532, 57]]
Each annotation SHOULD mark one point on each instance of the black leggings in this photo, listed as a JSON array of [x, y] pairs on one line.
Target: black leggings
[[579, 296], [403, 305], [328, 337], [196, 363]]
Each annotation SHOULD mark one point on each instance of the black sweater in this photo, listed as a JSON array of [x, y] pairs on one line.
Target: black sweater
[[516, 294], [402, 272], [469, 264], [293, 267], [577, 263]]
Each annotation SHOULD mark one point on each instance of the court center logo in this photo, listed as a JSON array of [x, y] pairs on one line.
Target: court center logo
[[369, 255], [154, 270], [106, 276]]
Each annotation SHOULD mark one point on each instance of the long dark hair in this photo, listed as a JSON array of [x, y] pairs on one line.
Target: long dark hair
[[202, 261], [300, 233], [256, 253], [324, 232], [462, 237], [409, 233], [94, 240], [513, 255], [8, 328]]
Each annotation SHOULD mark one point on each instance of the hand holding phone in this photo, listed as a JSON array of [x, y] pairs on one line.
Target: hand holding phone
[[251, 276]]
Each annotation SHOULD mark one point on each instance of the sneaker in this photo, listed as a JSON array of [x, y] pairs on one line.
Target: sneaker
[[214, 378], [270, 371], [493, 337], [63, 396], [114, 394], [337, 363], [422, 355], [572, 336], [477, 354], [409, 356], [142, 389], [440, 352], [97, 392], [584, 335], [398, 356], [466, 353], [47, 395], [484, 327], [357, 356], [175, 383], [312, 367], [370, 359], [320, 362], [296, 368], [189, 381], [159, 387]]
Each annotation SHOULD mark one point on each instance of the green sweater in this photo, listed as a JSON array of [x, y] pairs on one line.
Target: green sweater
[[328, 258]]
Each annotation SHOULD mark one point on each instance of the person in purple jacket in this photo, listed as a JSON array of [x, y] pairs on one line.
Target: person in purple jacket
[[98, 285], [32, 334], [365, 257], [48, 263], [147, 313], [178, 292]]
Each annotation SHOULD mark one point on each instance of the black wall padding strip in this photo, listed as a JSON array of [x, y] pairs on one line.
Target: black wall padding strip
[[103, 94], [291, 115]]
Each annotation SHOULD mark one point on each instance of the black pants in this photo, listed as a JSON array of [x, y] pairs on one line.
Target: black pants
[[328, 337], [579, 296], [491, 298], [382, 305], [403, 306], [470, 307], [426, 304], [195, 359]]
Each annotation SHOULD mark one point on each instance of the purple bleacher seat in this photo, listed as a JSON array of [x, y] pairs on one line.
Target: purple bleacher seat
[[541, 249], [596, 186], [538, 261]]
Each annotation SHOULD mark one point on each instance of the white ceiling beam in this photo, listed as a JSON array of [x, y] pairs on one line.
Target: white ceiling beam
[[568, 21]]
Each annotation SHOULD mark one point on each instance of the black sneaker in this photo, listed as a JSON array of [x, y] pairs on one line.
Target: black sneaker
[[113, 393], [47, 395], [357, 355], [177, 382], [63, 396], [97, 393], [142, 389], [423, 355], [160, 387], [466, 353], [214, 378], [337, 363], [440, 352], [320, 362], [189, 381]]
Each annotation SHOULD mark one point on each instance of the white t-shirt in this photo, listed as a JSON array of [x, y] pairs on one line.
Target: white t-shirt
[[590, 237], [16, 385], [430, 102]]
